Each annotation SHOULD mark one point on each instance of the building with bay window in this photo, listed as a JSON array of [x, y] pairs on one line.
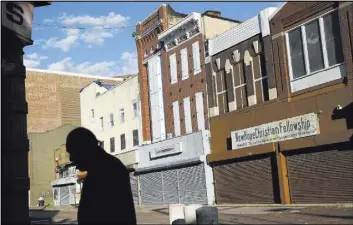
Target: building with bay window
[[280, 99], [172, 166], [112, 113]]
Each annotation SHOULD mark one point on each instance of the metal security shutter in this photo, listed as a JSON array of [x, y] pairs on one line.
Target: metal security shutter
[[64, 195], [151, 188], [170, 186], [321, 176], [247, 180], [134, 189], [72, 194], [192, 185]]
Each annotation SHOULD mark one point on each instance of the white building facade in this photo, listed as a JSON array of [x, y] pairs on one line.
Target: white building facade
[[112, 113]]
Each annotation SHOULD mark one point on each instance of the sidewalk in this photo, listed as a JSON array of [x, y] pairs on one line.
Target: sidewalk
[[228, 214]]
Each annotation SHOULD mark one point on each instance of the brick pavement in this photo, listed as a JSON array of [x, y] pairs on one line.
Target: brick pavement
[[227, 215]]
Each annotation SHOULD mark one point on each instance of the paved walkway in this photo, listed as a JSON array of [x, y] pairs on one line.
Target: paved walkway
[[227, 215]]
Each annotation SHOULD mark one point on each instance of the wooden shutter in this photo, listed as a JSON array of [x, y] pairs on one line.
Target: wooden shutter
[[173, 69], [184, 64], [321, 176], [187, 114], [244, 181], [200, 111], [196, 57], [176, 117]]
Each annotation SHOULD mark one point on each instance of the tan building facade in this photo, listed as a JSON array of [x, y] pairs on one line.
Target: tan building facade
[[54, 98]]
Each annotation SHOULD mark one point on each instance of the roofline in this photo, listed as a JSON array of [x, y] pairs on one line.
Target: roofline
[[220, 17], [151, 14], [41, 3], [179, 24], [277, 10], [73, 74]]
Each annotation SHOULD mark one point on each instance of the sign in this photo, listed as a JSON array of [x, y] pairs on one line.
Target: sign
[[282, 130], [18, 17], [166, 150]]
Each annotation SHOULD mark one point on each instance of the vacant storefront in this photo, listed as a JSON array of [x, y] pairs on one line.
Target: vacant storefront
[[175, 171], [321, 175], [246, 180]]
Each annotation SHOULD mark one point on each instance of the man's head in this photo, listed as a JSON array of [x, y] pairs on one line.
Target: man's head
[[82, 144]]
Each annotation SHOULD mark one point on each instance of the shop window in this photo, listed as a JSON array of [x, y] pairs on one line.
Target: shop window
[[315, 53]]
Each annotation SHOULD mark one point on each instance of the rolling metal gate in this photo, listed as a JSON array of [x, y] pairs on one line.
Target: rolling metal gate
[[321, 176], [64, 195], [181, 185], [134, 190], [248, 180]]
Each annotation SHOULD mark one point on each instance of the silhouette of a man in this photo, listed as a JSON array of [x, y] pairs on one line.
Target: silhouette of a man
[[106, 196]]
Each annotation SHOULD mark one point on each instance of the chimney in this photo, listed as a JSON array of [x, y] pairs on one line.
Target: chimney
[[213, 13]]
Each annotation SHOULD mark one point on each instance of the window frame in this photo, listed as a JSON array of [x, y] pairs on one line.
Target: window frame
[[134, 137], [326, 68], [122, 115], [121, 142], [92, 115], [134, 112], [112, 146], [111, 120], [101, 120]]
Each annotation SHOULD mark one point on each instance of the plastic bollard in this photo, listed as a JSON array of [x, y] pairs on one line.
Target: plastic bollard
[[190, 213], [176, 212], [207, 215]]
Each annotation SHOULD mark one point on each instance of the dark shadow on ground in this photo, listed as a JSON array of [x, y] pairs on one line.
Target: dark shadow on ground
[[42, 216], [279, 210], [163, 211], [328, 216]]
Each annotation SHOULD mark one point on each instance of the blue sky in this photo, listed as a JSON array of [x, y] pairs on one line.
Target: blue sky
[[105, 52]]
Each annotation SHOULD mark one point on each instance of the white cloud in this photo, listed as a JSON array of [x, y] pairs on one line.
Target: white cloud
[[33, 60], [129, 60], [94, 34], [126, 65], [64, 44]]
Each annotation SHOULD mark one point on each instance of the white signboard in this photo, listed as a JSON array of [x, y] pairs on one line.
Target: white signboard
[[166, 150], [287, 129], [18, 17]]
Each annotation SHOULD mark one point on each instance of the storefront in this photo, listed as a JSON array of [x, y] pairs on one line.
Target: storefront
[[65, 191], [175, 171]]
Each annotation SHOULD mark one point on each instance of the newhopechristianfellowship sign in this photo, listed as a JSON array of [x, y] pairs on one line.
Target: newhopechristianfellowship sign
[[282, 130]]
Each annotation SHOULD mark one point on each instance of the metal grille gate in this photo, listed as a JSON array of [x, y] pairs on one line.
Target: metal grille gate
[[248, 180], [321, 176], [64, 195], [133, 183], [182, 185]]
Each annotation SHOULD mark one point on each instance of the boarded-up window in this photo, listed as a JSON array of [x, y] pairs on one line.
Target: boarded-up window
[[173, 69], [176, 117], [200, 111], [196, 57], [184, 64], [187, 114]]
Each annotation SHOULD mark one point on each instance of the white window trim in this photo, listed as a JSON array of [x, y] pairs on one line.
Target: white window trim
[[173, 79], [197, 71], [311, 79], [185, 74]]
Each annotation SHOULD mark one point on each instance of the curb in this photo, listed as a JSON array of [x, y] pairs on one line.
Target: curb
[[338, 205]]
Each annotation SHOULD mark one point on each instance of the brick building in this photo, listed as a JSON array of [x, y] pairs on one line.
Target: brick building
[[54, 98], [280, 101], [172, 166]]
